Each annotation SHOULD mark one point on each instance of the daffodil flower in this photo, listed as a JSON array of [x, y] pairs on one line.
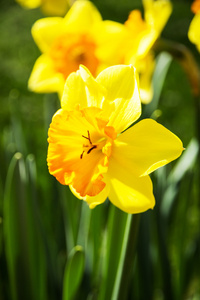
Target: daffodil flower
[[67, 42], [141, 36], [193, 32], [49, 7], [92, 147], [82, 37]]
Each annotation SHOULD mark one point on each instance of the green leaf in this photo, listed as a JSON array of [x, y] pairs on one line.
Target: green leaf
[[117, 221], [163, 62], [73, 273], [183, 165], [23, 245], [185, 162], [127, 258], [17, 126]]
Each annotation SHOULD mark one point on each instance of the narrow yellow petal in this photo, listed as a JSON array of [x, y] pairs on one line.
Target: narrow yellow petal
[[194, 32], [121, 84], [29, 3], [74, 92], [145, 147], [95, 91], [157, 13], [145, 67], [44, 32], [128, 192], [55, 8], [82, 16], [43, 78], [144, 33], [141, 36]]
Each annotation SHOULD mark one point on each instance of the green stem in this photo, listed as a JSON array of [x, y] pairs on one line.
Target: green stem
[[126, 258], [115, 233]]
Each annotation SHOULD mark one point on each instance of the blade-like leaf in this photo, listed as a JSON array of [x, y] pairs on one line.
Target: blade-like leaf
[[23, 246], [163, 62], [114, 240], [73, 273], [185, 163]]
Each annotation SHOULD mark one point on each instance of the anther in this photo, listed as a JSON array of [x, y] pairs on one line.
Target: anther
[[95, 146], [81, 156]]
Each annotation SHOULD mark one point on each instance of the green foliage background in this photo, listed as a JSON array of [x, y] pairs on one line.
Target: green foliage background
[[51, 245]]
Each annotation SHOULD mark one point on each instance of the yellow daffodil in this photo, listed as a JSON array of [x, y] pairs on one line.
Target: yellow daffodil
[[194, 32], [66, 43], [92, 147], [82, 37], [135, 44], [49, 7], [141, 36]]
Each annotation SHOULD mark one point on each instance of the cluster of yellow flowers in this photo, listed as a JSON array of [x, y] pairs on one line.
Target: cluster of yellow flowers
[[91, 63], [82, 37]]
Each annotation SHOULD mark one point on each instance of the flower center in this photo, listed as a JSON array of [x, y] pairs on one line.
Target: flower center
[[70, 50], [87, 148], [80, 144]]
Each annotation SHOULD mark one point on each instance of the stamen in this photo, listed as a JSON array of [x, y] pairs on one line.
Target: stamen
[[81, 156], [95, 146], [88, 137], [86, 146]]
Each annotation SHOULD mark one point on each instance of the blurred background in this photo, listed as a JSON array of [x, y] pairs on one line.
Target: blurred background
[[41, 222]]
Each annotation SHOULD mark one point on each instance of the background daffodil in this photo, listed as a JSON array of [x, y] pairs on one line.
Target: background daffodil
[[140, 38], [48, 7], [194, 32], [82, 37], [91, 148], [66, 43]]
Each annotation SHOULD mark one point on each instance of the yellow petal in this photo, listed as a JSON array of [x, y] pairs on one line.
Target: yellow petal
[[44, 32], [156, 16], [29, 3], [121, 85], [74, 92], [128, 192], [147, 39], [55, 8], [194, 32], [43, 78], [145, 147], [145, 68], [82, 16], [140, 36], [95, 91], [98, 199], [157, 13], [110, 42], [95, 200]]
